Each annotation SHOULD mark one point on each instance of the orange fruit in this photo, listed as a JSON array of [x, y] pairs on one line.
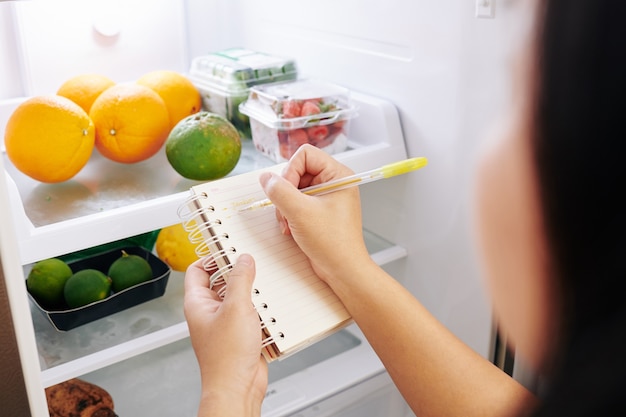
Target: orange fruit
[[84, 89], [181, 97], [131, 123], [49, 138], [204, 146]]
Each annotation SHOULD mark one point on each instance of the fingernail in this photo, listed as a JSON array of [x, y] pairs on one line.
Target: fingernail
[[264, 178], [244, 259]]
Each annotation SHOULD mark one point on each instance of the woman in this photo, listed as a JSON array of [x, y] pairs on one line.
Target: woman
[[552, 234]]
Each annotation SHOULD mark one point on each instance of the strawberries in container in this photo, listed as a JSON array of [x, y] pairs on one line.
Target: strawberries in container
[[285, 116]]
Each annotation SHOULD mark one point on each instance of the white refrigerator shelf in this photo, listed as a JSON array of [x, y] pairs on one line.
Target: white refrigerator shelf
[[108, 201]]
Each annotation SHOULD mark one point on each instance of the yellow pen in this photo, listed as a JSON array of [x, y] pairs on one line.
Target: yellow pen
[[386, 171]]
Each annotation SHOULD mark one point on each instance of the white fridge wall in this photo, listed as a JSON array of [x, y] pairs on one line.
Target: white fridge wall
[[10, 79], [121, 39]]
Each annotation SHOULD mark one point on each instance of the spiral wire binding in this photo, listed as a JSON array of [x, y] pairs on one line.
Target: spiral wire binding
[[217, 277], [191, 222], [194, 225], [184, 211], [222, 292], [266, 324], [203, 247], [271, 339], [208, 263], [197, 228]]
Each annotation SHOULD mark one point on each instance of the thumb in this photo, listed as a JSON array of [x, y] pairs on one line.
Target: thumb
[[240, 279]]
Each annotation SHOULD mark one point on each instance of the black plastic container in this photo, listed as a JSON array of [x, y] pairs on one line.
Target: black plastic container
[[67, 319]]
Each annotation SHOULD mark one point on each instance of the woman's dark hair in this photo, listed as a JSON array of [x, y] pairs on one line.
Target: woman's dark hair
[[579, 132]]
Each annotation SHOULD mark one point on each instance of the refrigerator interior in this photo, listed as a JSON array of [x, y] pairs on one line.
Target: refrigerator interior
[[430, 79]]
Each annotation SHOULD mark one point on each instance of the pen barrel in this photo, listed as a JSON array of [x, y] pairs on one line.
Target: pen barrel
[[342, 183], [386, 171]]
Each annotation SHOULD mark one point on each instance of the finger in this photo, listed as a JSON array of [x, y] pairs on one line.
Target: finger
[[299, 170], [285, 196], [196, 276], [311, 165], [240, 279], [283, 223]]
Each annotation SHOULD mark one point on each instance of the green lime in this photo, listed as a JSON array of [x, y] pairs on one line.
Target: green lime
[[129, 270], [46, 280], [204, 146], [86, 286]]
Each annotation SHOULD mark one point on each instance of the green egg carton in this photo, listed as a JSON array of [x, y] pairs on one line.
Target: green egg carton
[[224, 79]]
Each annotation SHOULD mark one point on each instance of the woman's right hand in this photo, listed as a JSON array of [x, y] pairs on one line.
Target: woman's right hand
[[327, 227]]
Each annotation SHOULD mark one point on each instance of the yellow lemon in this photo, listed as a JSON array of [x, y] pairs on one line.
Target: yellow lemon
[[174, 247]]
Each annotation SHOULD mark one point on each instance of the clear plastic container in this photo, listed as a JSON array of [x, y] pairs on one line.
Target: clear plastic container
[[224, 79], [284, 116]]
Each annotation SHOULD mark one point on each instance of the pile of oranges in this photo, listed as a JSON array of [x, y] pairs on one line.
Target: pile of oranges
[[51, 138]]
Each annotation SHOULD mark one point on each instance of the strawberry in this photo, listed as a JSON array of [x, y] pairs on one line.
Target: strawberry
[[310, 107], [296, 138], [338, 125], [317, 133], [285, 150], [327, 141], [283, 136], [283, 143], [291, 109]]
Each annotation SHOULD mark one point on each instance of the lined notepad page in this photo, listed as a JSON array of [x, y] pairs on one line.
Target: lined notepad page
[[297, 306]]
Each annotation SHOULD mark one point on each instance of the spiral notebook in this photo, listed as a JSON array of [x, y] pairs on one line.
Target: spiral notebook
[[296, 308]]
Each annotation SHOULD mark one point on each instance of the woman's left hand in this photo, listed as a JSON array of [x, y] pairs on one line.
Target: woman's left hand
[[226, 337]]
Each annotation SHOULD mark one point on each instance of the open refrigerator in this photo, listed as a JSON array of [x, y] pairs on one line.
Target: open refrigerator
[[428, 79]]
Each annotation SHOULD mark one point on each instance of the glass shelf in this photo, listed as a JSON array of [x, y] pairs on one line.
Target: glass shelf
[[177, 372], [109, 201], [103, 185], [133, 331], [59, 347]]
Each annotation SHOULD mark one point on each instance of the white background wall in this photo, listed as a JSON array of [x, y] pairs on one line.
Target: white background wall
[[54, 40]]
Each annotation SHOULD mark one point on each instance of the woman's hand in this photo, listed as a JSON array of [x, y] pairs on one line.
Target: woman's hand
[[226, 337], [328, 227]]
